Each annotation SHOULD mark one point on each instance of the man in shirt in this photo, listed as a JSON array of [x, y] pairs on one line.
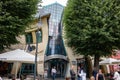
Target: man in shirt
[[116, 75], [53, 73]]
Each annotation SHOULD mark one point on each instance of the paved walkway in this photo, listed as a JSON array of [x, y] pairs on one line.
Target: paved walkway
[[59, 79], [42, 79]]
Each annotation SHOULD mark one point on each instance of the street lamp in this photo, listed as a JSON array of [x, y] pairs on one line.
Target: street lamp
[[38, 34]]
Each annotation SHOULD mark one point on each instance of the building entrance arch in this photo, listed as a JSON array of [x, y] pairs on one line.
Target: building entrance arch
[[59, 64]]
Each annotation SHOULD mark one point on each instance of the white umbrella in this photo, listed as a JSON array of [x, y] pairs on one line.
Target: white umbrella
[[108, 61], [116, 62], [18, 56]]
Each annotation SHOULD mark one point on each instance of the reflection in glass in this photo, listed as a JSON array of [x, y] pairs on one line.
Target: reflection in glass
[[55, 42]]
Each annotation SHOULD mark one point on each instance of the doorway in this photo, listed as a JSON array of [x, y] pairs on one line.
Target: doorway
[[60, 65]]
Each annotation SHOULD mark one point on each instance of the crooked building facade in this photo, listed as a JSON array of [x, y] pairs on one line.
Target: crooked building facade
[[52, 49], [55, 54]]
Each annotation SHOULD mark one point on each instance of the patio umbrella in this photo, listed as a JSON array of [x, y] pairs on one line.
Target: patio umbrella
[[108, 61], [18, 56], [116, 62]]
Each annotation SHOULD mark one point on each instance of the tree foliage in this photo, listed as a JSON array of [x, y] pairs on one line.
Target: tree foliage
[[14, 17], [92, 27]]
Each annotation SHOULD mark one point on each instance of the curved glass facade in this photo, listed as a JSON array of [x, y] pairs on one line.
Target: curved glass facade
[[55, 42]]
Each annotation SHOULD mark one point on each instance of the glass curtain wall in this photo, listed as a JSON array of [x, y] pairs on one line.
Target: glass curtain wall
[[55, 43]]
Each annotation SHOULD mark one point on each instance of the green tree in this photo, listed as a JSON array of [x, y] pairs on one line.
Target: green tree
[[92, 27], [14, 17]]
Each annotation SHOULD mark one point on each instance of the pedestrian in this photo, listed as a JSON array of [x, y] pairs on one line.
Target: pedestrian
[[83, 74], [94, 72], [0, 78], [53, 73], [79, 73], [100, 75], [92, 78], [72, 73], [111, 75], [116, 75]]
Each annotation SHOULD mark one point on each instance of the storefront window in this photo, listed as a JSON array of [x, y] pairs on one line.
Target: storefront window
[[27, 68]]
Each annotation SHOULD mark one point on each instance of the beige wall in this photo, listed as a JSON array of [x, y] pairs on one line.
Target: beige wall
[[41, 46]]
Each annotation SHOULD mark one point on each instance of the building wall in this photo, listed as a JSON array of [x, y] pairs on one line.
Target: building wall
[[41, 46]]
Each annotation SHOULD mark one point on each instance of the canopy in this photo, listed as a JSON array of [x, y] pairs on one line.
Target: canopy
[[116, 62], [108, 61], [18, 56]]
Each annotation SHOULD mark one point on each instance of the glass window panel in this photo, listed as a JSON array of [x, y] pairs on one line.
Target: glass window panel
[[29, 38], [27, 68], [39, 36], [54, 31]]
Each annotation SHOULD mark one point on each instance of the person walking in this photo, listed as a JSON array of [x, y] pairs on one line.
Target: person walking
[[116, 75], [53, 73], [79, 73], [0, 78], [94, 72], [83, 74], [92, 78], [72, 73], [100, 75]]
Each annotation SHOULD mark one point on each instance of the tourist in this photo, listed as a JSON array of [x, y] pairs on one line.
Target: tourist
[[53, 73], [0, 78], [79, 74], [116, 75], [92, 78], [72, 73], [83, 74], [100, 75], [94, 73]]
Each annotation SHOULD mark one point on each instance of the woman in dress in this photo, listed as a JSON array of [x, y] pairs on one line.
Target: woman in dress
[[100, 75]]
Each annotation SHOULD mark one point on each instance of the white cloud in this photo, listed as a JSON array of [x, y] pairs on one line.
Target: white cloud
[[47, 2]]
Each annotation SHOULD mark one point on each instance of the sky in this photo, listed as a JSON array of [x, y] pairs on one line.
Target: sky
[[47, 2]]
